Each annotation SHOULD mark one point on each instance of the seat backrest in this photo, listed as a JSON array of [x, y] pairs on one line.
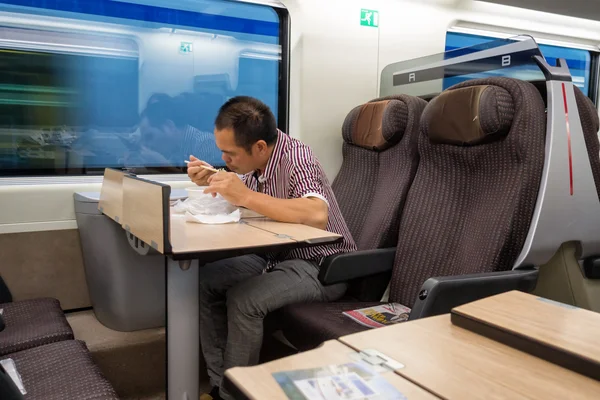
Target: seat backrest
[[379, 163], [590, 124], [481, 154]]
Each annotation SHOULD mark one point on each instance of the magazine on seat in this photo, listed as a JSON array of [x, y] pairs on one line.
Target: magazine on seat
[[379, 316]]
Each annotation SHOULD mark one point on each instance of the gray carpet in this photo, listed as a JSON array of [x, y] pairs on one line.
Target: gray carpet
[[134, 362]]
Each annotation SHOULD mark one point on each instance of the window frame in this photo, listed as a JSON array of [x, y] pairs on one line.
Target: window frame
[[284, 69], [283, 102]]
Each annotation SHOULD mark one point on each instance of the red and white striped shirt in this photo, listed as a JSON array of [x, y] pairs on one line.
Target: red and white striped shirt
[[294, 172]]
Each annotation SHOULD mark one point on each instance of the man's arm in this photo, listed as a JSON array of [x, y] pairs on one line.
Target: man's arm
[[309, 211], [307, 205]]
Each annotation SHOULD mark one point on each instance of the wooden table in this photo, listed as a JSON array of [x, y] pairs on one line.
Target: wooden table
[[258, 383], [144, 210], [559, 333], [455, 363], [436, 360]]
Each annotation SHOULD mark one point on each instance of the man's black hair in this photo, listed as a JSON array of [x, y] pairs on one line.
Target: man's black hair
[[161, 109], [155, 97], [250, 119]]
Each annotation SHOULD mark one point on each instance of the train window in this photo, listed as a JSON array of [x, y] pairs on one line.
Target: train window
[[578, 60], [135, 85]]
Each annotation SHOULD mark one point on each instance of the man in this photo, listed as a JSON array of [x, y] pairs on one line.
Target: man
[[166, 132], [283, 181]]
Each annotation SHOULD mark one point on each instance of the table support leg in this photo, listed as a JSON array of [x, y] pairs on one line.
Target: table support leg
[[183, 330]]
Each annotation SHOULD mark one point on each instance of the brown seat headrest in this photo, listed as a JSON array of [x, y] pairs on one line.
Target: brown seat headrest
[[469, 116], [377, 125]]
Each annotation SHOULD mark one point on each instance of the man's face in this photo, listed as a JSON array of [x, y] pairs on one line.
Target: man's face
[[237, 158]]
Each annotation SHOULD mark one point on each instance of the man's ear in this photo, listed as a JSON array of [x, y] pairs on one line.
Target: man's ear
[[261, 146]]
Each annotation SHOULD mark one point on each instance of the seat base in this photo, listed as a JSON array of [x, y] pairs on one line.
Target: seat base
[[61, 371], [306, 326], [32, 323]]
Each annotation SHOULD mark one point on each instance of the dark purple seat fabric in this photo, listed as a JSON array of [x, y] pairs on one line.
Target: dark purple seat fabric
[[61, 371], [380, 162], [481, 153], [32, 323], [308, 325], [590, 124]]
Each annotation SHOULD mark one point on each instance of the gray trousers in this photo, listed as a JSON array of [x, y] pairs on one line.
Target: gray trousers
[[235, 297]]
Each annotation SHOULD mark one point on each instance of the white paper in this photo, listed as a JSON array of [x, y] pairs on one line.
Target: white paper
[[11, 369], [214, 219], [336, 387]]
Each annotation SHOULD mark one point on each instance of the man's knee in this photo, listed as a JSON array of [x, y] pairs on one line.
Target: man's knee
[[241, 300], [212, 278], [217, 277]]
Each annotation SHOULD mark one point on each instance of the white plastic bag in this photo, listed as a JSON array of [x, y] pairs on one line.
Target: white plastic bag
[[206, 209], [214, 219]]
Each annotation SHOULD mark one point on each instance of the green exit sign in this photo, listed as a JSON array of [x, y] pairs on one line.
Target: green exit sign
[[186, 47], [369, 18]]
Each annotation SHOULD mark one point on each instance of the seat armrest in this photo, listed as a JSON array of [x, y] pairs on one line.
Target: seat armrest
[[5, 295], [440, 295], [359, 264], [591, 268]]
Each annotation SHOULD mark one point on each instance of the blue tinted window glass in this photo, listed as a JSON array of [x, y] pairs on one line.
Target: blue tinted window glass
[[90, 84], [579, 61]]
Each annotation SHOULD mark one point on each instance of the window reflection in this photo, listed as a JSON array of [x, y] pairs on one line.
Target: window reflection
[[124, 85]]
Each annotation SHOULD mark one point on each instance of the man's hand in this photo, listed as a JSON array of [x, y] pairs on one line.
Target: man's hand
[[230, 186], [197, 174]]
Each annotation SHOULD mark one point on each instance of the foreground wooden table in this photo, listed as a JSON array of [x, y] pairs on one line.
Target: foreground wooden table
[[144, 210], [556, 332], [455, 363], [446, 361], [258, 383]]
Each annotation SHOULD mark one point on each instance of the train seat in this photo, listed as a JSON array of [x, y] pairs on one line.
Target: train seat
[[379, 163], [60, 371], [590, 124], [31, 323], [468, 211]]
